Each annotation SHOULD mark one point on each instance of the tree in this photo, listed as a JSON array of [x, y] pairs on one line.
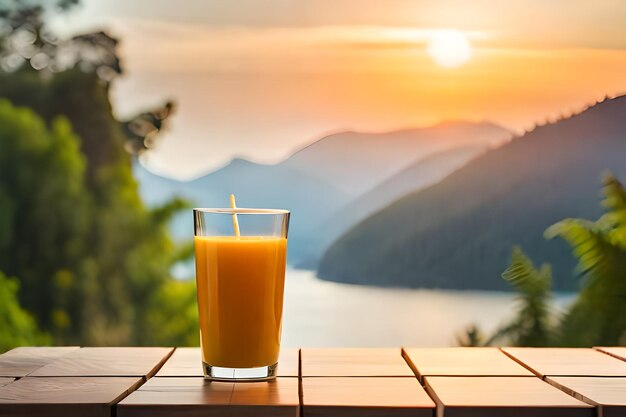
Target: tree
[[17, 326], [531, 326], [598, 317], [472, 336], [90, 256], [173, 315], [71, 77], [43, 209]]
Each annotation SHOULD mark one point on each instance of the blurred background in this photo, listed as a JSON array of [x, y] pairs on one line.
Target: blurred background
[[455, 171]]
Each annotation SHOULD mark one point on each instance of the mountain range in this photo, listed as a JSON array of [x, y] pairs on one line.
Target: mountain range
[[318, 182], [420, 174], [459, 232], [356, 161]]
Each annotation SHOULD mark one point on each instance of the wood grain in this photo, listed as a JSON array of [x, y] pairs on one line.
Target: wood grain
[[107, 361], [353, 362], [567, 361], [365, 397], [462, 362], [616, 352], [183, 362], [609, 393], [188, 362], [193, 396], [21, 361], [502, 397], [67, 397], [5, 381]]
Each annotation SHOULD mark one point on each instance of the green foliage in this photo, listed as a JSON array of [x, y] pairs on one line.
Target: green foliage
[[81, 98], [598, 317], [472, 336], [173, 315], [17, 326], [89, 254], [531, 326], [91, 258], [26, 42], [459, 233], [141, 130], [71, 77], [43, 206]]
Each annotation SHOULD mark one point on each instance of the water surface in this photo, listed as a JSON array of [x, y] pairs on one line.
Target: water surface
[[327, 314]]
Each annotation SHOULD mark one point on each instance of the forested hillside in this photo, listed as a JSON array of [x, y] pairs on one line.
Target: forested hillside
[[460, 232]]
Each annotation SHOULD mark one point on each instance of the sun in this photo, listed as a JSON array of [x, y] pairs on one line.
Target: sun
[[449, 48]]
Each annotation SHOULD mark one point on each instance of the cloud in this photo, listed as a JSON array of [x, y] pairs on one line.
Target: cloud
[[168, 46]]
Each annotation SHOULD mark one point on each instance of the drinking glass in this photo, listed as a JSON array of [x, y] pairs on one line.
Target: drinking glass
[[240, 276]]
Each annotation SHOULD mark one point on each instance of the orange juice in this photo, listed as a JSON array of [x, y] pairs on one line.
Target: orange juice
[[240, 283]]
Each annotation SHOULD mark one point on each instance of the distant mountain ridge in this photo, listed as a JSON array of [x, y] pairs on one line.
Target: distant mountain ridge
[[459, 232], [255, 185], [317, 181], [422, 173], [356, 162]]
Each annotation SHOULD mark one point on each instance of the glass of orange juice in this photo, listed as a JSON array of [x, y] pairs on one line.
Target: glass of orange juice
[[240, 276]]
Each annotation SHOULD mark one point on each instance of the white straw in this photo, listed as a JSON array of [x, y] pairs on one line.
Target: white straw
[[233, 205]]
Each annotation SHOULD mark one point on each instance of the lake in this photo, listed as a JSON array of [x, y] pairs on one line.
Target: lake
[[327, 314]]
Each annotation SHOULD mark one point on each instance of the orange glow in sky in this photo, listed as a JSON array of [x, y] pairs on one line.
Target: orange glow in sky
[[449, 48], [257, 84]]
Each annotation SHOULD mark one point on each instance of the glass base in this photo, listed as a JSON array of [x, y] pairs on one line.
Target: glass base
[[217, 373]]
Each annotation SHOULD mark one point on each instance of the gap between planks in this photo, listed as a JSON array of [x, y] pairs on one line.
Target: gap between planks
[[143, 380]]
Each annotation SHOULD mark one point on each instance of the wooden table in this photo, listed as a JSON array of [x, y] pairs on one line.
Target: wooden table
[[445, 382], [481, 361]]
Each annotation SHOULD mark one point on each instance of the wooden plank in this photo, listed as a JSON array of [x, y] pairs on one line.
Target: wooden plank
[[616, 352], [502, 397], [183, 362], [276, 398], [608, 393], [188, 362], [21, 361], [365, 397], [197, 397], [67, 397], [567, 361], [462, 362], [353, 362], [107, 361], [5, 381]]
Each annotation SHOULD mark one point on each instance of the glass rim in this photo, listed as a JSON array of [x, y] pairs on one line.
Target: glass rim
[[240, 210]]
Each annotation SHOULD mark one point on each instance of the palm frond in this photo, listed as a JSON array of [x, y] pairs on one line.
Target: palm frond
[[472, 336], [531, 326], [599, 314], [524, 277], [615, 200], [586, 239]]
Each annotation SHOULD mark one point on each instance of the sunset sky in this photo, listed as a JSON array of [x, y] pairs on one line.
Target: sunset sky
[[260, 79]]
